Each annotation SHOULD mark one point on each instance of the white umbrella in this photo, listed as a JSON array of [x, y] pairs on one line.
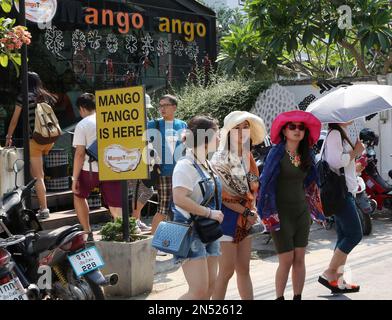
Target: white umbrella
[[349, 103]]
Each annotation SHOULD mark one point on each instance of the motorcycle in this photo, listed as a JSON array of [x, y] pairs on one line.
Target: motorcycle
[[376, 187], [365, 207], [11, 287], [260, 153], [58, 262]]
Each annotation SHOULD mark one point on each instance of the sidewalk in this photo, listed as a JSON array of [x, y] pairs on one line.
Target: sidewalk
[[370, 263]]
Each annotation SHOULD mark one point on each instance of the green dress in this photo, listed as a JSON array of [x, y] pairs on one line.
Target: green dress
[[292, 208]]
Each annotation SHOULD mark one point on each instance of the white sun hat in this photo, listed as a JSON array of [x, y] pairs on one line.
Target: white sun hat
[[258, 132], [148, 102]]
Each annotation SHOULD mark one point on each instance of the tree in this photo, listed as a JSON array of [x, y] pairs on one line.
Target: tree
[[12, 38], [225, 16], [326, 38], [240, 52]]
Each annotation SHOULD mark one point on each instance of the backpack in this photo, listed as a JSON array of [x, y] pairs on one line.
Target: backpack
[[46, 128], [333, 188]]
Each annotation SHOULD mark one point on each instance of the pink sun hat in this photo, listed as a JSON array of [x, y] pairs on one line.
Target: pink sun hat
[[309, 120]]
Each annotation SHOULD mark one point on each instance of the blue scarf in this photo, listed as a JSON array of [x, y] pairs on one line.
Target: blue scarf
[[266, 205]]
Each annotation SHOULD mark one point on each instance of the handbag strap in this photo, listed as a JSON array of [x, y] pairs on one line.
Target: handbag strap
[[323, 147], [215, 185], [215, 193]]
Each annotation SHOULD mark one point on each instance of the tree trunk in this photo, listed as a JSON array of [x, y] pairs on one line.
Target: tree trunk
[[357, 56], [387, 64]]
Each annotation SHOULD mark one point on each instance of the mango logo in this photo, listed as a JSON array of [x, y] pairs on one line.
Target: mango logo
[[189, 29], [124, 20]]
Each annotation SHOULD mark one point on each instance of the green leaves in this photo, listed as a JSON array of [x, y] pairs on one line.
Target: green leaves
[[307, 37], [6, 5], [289, 29], [112, 231], [8, 38], [383, 40], [221, 95], [3, 60], [17, 57]]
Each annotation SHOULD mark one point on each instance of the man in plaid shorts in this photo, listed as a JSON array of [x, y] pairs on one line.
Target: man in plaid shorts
[[166, 135]]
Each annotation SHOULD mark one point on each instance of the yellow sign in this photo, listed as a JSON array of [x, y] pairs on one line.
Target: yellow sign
[[121, 123]]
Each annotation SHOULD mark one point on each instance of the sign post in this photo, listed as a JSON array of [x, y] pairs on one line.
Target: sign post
[[122, 147]]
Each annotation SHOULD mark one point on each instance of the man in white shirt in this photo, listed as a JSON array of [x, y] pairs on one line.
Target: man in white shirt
[[85, 172]]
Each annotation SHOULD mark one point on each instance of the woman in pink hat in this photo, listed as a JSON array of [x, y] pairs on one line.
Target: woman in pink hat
[[289, 194]]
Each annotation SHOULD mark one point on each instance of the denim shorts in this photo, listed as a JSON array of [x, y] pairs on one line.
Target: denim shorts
[[198, 249]]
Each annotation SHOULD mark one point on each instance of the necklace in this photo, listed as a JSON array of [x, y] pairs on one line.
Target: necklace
[[295, 159]]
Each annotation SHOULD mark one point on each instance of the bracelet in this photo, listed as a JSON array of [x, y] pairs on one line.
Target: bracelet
[[246, 212], [8, 137], [209, 213]]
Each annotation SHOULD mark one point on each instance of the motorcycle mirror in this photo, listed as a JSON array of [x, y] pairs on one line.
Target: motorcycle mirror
[[18, 166]]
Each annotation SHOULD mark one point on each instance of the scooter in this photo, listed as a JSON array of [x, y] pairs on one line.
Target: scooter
[[365, 206], [260, 153], [58, 262], [376, 187], [11, 287]]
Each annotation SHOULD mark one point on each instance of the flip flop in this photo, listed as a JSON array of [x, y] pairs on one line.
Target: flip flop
[[336, 289]]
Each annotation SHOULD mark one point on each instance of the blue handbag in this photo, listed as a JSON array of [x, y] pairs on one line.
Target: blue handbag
[[172, 237], [92, 151]]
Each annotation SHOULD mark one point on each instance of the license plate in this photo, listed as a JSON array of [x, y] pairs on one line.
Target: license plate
[[370, 184], [86, 261], [12, 290]]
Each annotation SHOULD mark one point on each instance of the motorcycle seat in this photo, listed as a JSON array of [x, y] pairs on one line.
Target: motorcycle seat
[[50, 239]]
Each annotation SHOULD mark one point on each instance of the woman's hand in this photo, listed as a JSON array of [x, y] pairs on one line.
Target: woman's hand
[[252, 219], [8, 142], [359, 148], [217, 215]]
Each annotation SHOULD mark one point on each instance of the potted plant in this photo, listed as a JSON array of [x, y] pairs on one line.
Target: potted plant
[[133, 261]]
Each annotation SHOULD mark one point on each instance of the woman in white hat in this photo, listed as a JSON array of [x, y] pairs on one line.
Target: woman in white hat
[[239, 174]]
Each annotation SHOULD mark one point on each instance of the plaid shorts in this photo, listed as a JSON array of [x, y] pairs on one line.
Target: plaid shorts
[[143, 194], [165, 195]]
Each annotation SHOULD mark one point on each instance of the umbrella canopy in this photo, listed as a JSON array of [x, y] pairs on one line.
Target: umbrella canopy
[[352, 102]]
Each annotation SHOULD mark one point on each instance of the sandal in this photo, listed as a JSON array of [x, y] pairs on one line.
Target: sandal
[[335, 288]]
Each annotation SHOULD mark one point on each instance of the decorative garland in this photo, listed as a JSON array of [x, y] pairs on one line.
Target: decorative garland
[[54, 41]]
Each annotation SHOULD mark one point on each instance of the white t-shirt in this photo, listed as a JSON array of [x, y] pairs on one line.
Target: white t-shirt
[[185, 175], [337, 155], [85, 134]]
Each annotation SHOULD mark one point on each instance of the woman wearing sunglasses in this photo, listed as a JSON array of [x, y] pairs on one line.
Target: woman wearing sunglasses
[[235, 165], [289, 194]]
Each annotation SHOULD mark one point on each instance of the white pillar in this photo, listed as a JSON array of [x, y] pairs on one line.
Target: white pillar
[[385, 129]]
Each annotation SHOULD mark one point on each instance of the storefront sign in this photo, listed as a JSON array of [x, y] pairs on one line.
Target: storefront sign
[[189, 29], [39, 11], [73, 11], [121, 123]]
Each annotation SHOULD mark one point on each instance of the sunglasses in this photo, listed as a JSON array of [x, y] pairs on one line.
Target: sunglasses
[[292, 126]]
